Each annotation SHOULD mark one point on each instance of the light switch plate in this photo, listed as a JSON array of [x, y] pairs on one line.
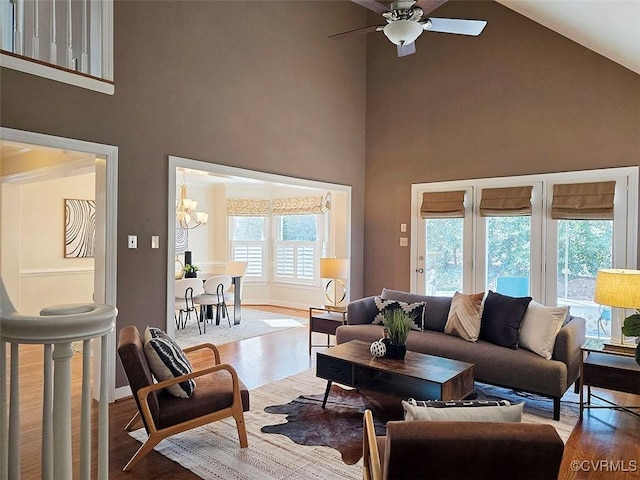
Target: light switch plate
[[132, 241], [404, 242], [155, 241], [403, 227]]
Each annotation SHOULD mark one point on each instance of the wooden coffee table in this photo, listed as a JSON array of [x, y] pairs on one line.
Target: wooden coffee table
[[423, 377]]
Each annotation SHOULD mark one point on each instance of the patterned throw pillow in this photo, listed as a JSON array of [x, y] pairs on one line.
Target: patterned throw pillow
[[464, 316], [167, 360], [416, 310], [463, 411]]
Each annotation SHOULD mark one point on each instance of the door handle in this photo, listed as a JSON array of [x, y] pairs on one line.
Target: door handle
[[420, 270]]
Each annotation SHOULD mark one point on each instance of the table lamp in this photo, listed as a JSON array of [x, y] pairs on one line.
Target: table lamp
[[618, 288], [335, 269]]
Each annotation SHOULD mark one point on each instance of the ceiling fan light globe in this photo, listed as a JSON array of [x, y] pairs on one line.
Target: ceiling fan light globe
[[403, 32]]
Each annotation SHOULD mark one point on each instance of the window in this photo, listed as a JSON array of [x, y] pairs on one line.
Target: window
[[297, 248], [443, 255], [549, 246], [248, 244], [584, 247], [508, 255]]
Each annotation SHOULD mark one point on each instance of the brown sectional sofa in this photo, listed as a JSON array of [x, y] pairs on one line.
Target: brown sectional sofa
[[518, 369]]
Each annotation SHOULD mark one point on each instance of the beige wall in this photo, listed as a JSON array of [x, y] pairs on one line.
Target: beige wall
[[46, 276], [256, 85], [518, 99]]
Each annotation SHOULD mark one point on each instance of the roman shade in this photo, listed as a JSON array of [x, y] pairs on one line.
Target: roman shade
[[298, 205], [583, 201], [442, 204], [506, 202], [248, 207]]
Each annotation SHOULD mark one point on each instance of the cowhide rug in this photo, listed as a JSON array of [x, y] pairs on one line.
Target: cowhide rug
[[339, 425]]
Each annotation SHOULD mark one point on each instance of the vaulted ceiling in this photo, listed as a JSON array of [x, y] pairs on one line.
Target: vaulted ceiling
[[608, 27]]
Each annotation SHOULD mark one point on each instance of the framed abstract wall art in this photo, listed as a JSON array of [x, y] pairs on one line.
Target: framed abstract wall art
[[79, 228]]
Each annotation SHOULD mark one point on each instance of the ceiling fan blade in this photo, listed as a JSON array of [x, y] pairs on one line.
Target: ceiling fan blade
[[351, 33], [429, 6], [457, 26], [406, 49], [372, 5]]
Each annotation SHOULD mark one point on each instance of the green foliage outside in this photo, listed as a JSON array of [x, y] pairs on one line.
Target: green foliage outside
[[300, 228], [584, 247]]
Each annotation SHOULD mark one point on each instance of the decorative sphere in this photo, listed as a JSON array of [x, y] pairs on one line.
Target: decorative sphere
[[378, 349]]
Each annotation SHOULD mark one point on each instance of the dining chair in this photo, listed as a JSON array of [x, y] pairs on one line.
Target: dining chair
[[186, 289], [214, 295]]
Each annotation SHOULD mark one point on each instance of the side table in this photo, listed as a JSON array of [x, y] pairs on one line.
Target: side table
[[325, 320], [610, 369]]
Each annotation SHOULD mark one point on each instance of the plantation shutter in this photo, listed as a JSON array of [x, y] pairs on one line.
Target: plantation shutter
[[583, 201], [442, 204], [506, 202]]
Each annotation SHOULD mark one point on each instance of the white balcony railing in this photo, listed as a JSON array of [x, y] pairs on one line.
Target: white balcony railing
[[66, 40], [55, 328]]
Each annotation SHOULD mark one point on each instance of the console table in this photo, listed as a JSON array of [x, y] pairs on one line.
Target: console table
[[609, 369]]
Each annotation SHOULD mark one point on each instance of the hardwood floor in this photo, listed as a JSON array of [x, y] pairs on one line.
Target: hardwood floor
[[605, 445]]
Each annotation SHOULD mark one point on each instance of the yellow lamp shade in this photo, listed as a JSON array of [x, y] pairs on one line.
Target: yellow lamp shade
[[334, 268], [618, 288]]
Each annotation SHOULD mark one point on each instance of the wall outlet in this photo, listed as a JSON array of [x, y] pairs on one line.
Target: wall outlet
[[404, 242], [132, 241]]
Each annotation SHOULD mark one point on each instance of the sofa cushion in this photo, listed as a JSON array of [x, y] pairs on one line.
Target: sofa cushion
[[539, 328], [501, 318], [167, 361], [436, 310], [415, 310], [481, 411], [464, 316]]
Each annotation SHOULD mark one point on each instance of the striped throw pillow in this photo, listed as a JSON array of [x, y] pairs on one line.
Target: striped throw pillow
[[464, 316], [167, 360]]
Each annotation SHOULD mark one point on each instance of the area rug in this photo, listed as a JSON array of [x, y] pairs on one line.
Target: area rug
[[340, 424], [212, 451], [253, 324]]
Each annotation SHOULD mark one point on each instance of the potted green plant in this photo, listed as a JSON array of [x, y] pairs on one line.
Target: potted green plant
[[397, 324], [631, 328], [190, 271]]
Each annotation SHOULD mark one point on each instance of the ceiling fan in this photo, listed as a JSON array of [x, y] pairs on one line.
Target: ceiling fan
[[406, 21]]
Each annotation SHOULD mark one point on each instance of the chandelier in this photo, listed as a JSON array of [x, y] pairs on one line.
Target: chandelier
[[187, 216]]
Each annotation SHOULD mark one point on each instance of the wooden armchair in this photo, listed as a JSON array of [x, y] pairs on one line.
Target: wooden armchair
[[219, 394], [461, 450]]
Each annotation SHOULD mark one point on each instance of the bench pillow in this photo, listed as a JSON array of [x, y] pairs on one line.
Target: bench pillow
[[167, 360], [490, 411]]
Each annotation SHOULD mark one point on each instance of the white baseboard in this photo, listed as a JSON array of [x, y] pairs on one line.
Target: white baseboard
[[123, 392]]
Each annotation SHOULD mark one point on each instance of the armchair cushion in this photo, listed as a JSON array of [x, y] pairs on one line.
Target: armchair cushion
[[167, 360]]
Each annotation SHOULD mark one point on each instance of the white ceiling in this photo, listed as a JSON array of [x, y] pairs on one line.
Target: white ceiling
[[608, 27]]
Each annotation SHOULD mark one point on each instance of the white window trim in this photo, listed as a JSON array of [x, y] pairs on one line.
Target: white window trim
[[544, 249]]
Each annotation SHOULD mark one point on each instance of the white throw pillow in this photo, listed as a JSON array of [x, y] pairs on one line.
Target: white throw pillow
[[539, 328], [414, 410]]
